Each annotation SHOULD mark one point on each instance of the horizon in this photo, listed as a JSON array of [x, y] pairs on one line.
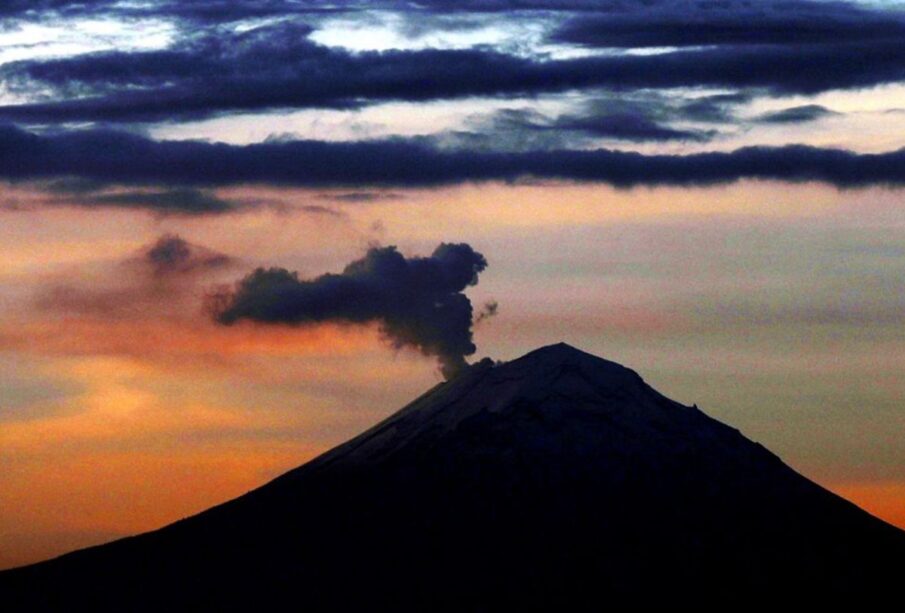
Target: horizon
[[236, 235]]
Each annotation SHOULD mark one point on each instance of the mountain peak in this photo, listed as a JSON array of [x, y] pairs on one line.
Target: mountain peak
[[535, 396], [553, 358], [561, 348], [535, 367], [558, 368], [551, 481], [559, 353]]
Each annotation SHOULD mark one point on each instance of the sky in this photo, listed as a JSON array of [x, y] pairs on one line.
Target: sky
[[235, 234]]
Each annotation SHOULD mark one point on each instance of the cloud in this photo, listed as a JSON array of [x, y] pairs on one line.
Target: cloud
[[216, 70], [418, 302], [164, 202], [629, 124], [115, 90], [691, 23], [207, 12], [357, 197], [92, 193], [490, 309], [713, 108], [171, 254], [180, 201], [164, 278], [38, 7], [72, 186], [113, 157], [318, 210], [225, 11], [796, 114], [496, 6], [193, 11], [526, 129]]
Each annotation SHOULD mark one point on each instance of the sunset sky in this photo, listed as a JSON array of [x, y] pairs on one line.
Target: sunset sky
[[710, 193]]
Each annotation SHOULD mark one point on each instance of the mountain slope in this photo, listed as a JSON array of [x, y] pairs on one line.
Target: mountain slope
[[555, 479]]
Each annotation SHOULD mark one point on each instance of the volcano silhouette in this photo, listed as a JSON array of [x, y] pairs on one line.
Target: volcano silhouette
[[556, 481]]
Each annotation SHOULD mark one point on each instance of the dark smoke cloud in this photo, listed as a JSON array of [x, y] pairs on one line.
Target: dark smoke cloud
[[490, 309], [164, 279], [417, 301], [172, 254]]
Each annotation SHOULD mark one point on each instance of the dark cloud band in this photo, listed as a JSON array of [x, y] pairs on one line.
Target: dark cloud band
[[794, 47], [118, 158], [348, 81], [691, 23]]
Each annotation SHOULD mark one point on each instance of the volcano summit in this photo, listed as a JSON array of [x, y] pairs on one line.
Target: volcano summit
[[557, 480]]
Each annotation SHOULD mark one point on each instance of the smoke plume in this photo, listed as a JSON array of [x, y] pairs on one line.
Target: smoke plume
[[418, 302]]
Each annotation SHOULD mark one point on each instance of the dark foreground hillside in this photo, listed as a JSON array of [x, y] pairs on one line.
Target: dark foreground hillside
[[557, 481]]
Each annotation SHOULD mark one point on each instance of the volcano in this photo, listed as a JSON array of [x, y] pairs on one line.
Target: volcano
[[558, 480]]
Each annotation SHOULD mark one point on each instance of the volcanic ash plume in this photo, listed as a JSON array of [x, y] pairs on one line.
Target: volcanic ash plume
[[418, 302]]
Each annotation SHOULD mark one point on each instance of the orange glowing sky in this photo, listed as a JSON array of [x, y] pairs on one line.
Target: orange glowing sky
[[126, 408], [736, 281]]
